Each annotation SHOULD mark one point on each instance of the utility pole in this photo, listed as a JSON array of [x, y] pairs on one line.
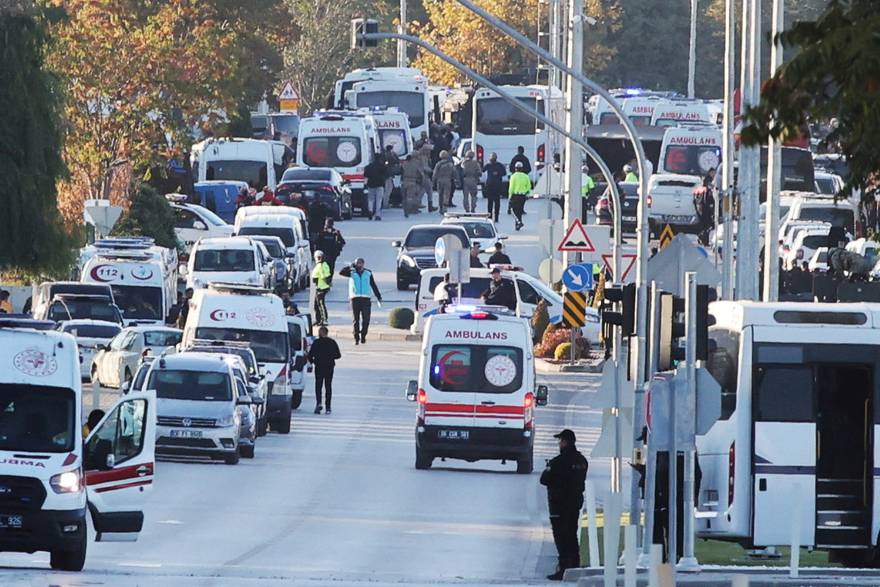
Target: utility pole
[[744, 237], [692, 55], [688, 560], [774, 174], [750, 276], [574, 110], [726, 201], [402, 60]]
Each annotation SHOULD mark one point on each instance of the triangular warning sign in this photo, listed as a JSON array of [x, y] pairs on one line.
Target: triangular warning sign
[[666, 236], [576, 239], [288, 93], [627, 262]]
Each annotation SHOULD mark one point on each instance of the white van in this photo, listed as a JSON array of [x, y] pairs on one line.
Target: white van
[[671, 201], [394, 130], [529, 291], [259, 163], [640, 110], [297, 244], [682, 112], [228, 260], [690, 150], [256, 316], [136, 245], [477, 389], [49, 476], [143, 288]]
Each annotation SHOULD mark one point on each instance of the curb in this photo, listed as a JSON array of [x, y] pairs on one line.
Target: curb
[[721, 577], [402, 336], [590, 366]]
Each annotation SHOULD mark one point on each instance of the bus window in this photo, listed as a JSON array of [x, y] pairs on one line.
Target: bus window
[[783, 393], [723, 364]]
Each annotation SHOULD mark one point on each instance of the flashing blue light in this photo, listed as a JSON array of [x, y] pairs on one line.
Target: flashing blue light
[[633, 92], [436, 369]]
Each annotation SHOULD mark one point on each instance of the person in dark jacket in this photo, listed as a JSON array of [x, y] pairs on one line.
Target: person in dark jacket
[[520, 157], [499, 257], [500, 292], [475, 257], [323, 354], [494, 185], [330, 241], [375, 174], [564, 478]]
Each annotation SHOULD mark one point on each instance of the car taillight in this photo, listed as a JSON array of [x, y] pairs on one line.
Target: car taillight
[[731, 473], [479, 153], [649, 200], [422, 399], [281, 379], [529, 409], [541, 153]]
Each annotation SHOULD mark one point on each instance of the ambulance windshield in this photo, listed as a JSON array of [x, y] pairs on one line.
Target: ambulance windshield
[[476, 368], [691, 159], [36, 418]]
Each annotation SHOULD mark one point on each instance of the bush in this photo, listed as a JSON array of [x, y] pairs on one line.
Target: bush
[[401, 318], [540, 321], [556, 336]]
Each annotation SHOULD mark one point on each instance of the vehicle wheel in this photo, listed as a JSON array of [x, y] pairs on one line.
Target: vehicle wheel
[[423, 460], [126, 379], [70, 560], [233, 458], [347, 215], [525, 465], [248, 451], [296, 399], [262, 426], [402, 285], [95, 381], [282, 425]]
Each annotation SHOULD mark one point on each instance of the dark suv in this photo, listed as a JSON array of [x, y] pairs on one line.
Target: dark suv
[[629, 195], [416, 252]]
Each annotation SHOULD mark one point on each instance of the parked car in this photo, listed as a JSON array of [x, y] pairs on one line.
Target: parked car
[[416, 251], [65, 307], [283, 262], [116, 363], [479, 228], [629, 194], [90, 335], [319, 191]]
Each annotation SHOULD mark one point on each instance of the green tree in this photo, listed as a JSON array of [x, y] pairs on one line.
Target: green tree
[[835, 74], [149, 215], [32, 238]]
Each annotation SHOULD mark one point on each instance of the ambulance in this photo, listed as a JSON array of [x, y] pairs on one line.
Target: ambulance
[[143, 287], [259, 163], [393, 128], [690, 150], [344, 140], [641, 110], [477, 390], [50, 476], [245, 313], [682, 112]]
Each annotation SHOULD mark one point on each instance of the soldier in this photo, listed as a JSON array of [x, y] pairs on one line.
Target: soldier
[[471, 171], [444, 180], [412, 184]]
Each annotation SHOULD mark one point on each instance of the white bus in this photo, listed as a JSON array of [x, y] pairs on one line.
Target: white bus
[[499, 127], [404, 88], [795, 441]]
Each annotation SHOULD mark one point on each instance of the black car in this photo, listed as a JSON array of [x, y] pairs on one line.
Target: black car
[[416, 252], [629, 194], [320, 192]]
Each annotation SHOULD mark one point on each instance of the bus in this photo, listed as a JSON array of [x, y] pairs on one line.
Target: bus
[[795, 441], [499, 127]]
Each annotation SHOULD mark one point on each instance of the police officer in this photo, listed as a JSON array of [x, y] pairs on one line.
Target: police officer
[[564, 478], [500, 291]]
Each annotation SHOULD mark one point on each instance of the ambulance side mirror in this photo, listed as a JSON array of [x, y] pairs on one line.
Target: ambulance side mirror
[[412, 390], [541, 395]]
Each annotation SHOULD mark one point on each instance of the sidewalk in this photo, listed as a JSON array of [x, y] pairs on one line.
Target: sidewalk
[[757, 577]]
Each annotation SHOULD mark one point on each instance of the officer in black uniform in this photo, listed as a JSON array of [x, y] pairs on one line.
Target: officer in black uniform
[[500, 291], [564, 477]]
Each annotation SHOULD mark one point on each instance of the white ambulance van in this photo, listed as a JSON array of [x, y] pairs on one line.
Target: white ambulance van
[[226, 260], [143, 287], [259, 163], [690, 150], [393, 129], [682, 112], [477, 391], [50, 477], [241, 313], [286, 222]]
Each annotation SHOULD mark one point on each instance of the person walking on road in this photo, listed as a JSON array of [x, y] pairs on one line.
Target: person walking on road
[[471, 171], [564, 478], [520, 157], [629, 175], [375, 174], [323, 355], [499, 257], [424, 155], [321, 276], [443, 180], [520, 187], [330, 242], [361, 286], [587, 187], [184, 308], [412, 184], [494, 185], [392, 173]]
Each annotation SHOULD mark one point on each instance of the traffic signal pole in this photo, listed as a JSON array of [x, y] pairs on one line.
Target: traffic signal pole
[[574, 119], [688, 561]]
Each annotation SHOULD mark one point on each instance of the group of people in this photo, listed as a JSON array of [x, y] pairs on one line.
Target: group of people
[[252, 197]]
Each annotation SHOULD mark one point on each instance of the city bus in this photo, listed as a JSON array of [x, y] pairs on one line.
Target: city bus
[[795, 441]]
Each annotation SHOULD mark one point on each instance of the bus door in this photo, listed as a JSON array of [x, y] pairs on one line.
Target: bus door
[[784, 450]]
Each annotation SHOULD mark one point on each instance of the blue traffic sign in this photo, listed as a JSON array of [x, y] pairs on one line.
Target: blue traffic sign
[[578, 277]]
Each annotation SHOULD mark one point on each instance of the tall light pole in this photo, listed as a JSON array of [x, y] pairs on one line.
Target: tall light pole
[[402, 60], [774, 174], [726, 203], [574, 118], [692, 54]]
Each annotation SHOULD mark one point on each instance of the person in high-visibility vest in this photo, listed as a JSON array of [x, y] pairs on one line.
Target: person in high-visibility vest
[[630, 176], [587, 187], [321, 276], [520, 187]]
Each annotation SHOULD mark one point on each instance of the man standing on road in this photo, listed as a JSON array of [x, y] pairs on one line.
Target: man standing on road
[[471, 171], [495, 173], [443, 180], [375, 175], [499, 257], [361, 286], [321, 276], [500, 292], [475, 257], [587, 188], [412, 184], [519, 189], [424, 155], [392, 171], [323, 354], [330, 242], [564, 478], [184, 308]]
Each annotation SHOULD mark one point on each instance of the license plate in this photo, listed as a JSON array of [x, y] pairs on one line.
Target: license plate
[[15, 522], [453, 434], [185, 433], [682, 219], [629, 218]]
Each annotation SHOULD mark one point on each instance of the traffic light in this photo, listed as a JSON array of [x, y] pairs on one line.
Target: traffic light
[[626, 318], [360, 26], [705, 294], [672, 331]]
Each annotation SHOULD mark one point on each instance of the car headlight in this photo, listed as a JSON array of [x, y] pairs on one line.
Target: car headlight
[[408, 260], [67, 482], [227, 420]]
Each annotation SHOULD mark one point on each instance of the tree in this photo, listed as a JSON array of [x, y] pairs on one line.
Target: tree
[[149, 215], [835, 74], [32, 238], [320, 53]]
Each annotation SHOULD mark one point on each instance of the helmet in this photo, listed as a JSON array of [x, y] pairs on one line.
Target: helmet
[[627, 168], [518, 165], [444, 154], [319, 254]]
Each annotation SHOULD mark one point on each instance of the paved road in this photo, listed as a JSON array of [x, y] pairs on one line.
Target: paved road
[[339, 499]]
